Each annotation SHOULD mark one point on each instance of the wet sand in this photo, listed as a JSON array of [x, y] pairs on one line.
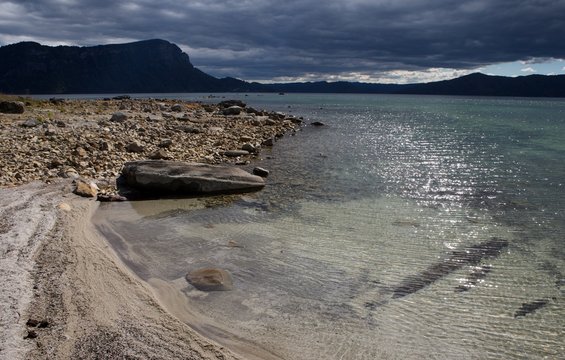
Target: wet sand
[[66, 295]]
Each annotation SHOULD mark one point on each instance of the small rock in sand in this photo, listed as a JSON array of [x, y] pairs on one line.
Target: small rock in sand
[[64, 207], [234, 244]]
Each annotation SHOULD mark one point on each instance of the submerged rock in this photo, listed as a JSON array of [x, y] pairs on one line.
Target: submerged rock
[[455, 261], [210, 279], [174, 177], [528, 308]]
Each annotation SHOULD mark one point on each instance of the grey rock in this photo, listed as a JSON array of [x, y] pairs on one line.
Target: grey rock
[[229, 103], [159, 154], [55, 163], [174, 177], [232, 110], [79, 151], [57, 101], [236, 153], [70, 173], [259, 171], [50, 130], [134, 147], [110, 198], [105, 145], [165, 143], [12, 107], [121, 97], [118, 117], [153, 118], [31, 123], [318, 123], [176, 108], [249, 147], [191, 130], [268, 142]]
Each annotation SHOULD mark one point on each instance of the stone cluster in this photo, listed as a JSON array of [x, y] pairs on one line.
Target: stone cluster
[[92, 139]]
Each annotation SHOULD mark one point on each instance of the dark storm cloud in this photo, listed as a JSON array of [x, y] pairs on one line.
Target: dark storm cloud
[[263, 39]]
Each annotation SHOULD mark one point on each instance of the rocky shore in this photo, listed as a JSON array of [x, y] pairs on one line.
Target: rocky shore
[[65, 294], [92, 139]]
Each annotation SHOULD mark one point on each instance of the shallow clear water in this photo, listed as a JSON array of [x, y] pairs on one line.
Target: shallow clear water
[[374, 236]]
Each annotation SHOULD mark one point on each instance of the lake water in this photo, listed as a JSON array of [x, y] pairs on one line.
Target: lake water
[[409, 227]]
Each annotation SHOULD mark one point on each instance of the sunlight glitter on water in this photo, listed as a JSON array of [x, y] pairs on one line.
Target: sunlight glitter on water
[[425, 230]]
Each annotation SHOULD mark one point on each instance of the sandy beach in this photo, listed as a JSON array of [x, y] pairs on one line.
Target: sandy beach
[[65, 293]]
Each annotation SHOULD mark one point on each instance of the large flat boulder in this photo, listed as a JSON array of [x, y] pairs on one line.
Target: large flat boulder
[[173, 177]]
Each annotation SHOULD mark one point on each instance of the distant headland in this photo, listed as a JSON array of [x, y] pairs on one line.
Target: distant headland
[[158, 66]]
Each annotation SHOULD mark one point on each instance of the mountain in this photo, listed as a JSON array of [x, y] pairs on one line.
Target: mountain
[[478, 84], [158, 66], [144, 66], [332, 87]]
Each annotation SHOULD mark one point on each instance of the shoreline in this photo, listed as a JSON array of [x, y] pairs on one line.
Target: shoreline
[[67, 293], [92, 139], [85, 302]]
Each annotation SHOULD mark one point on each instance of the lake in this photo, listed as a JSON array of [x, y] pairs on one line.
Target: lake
[[408, 227]]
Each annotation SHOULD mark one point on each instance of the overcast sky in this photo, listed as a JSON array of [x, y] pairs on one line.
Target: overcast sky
[[287, 40]]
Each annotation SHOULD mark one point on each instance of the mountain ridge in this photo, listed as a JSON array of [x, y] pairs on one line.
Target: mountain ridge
[[158, 66]]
